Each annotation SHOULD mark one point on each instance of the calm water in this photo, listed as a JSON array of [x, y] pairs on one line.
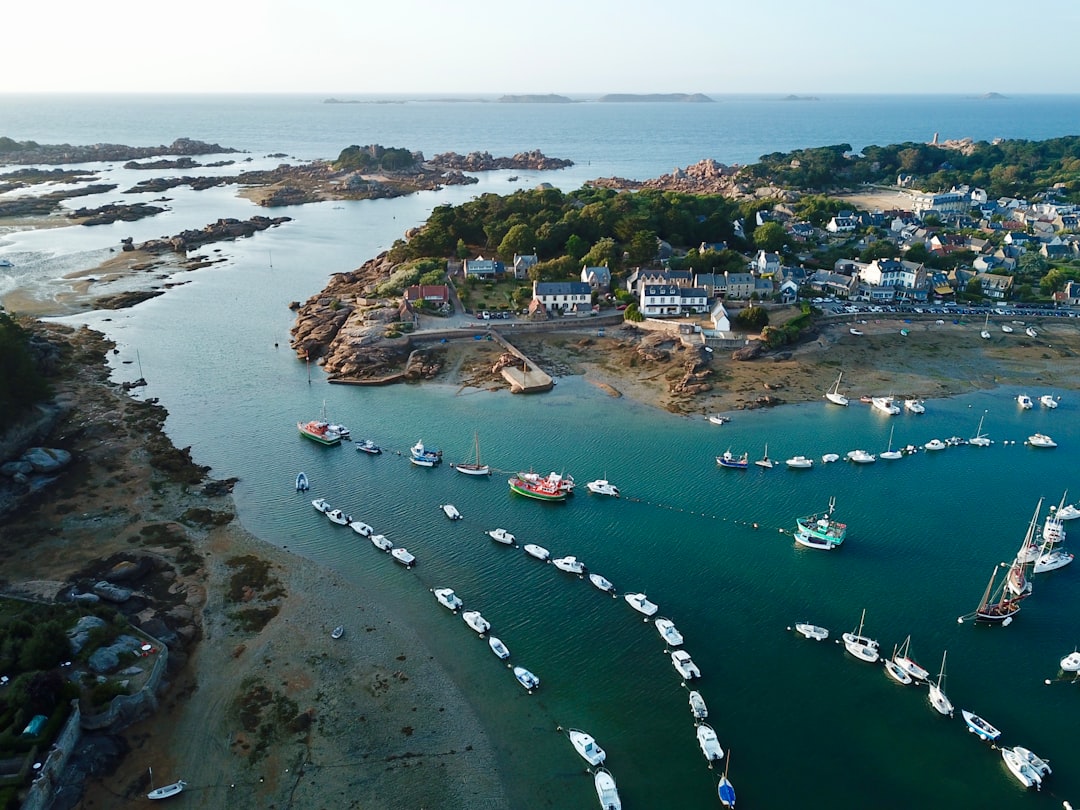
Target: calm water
[[802, 719]]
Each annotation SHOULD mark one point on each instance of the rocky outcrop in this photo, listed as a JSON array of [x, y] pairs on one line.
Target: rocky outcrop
[[159, 184], [179, 163], [29, 152], [45, 204], [107, 214], [704, 177], [223, 229], [484, 162], [751, 352]]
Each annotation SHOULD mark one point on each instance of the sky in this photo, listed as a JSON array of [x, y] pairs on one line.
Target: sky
[[570, 47]]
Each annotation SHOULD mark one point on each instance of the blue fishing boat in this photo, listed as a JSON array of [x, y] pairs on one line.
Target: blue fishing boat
[[734, 462]]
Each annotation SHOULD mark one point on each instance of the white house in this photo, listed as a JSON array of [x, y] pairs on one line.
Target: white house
[[563, 295], [693, 299], [660, 299], [766, 264], [720, 320], [844, 222]]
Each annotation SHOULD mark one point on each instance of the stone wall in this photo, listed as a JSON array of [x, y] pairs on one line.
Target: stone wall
[[124, 710], [49, 778]]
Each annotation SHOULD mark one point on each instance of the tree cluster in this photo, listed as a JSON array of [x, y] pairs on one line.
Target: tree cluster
[[23, 384], [374, 157]]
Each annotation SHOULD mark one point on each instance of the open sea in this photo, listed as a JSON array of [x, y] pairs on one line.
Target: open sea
[[805, 723]]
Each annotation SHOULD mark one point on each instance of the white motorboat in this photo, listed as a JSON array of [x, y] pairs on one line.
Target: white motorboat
[[571, 565], [338, 517], [886, 405], [585, 745], [1030, 332], [829, 458], [1071, 662], [710, 745], [833, 394], [1024, 401], [936, 695], [861, 457], [367, 446], [381, 542], [403, 556], [167, 791], [800, 463], [1008, 330], [976, 725], [476, 621], [601, 583], [361, 528], [684, 664], [890, 454], [1070, 512], [340, 430], [668, 632], [424, 456], [980, 439], [914, 406], [1023, 772], [302, 484], [337, 632], [1037, 763], [697, 705], [717, 419], [497, 647], [501, 536], [935, 444], [606, 790], [1047, 401], [1054, 526], [602, 486], [321, 505], [526, 678], [862, 647], [896, 672], [1051, 560], [447, 598], [1040, 440], [539, 552], [903, 659], [640, 603], [450, 511], [855, 331], [1053, 532], [811, 631]]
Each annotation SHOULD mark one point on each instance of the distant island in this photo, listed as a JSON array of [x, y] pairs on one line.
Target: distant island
[[992, 96], [687, 97], [530, 98], [793, 97]]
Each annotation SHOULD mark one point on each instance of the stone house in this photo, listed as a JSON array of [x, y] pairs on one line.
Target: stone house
[[599, 278], [522, 264]]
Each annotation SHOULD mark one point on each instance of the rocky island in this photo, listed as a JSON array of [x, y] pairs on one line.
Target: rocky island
[[29, 152], [693, 98]]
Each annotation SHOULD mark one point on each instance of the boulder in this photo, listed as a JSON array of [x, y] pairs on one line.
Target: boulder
[[751, 352], [13, 468], [104, 660], [47, 459], [112, 593], [80, 633]]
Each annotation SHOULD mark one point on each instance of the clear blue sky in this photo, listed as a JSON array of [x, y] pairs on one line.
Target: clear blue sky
[[576, 47]]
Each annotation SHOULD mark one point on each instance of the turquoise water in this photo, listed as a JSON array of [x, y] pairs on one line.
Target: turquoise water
[[806, 723]]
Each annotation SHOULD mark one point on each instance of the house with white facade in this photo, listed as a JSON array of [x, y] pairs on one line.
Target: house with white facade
[[765, 263], [660, 299], [693, 299], [563, 295], [599, 278], [844, 222], [995, 286], [890, 279], [720, 320]]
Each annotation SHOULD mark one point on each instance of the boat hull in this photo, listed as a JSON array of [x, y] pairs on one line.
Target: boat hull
[[319, 436], [536, 493]]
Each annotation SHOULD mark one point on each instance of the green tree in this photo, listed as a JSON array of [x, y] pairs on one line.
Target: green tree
[[642, 247], [23, 385], [519, 239], [631, 313], [1032, 263], [752, 318], [974, 288], [604, 252], [462, 250], [576, 247], [770, 236]]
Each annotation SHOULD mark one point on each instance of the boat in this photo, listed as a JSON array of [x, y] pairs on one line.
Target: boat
[[811, 631], [602, 583], [340, 430], [476, 621], [1070, 512], [571, 565], [361, 528], [980, 439], [725, 790], [368, 446], [585, 745], [1071, 662], [447, 598], [1008, 330], [450, 511], [321, 505], [1040, 440], [302, 482], [765, 462], [885, 405], [1048, 401], [1054, 526], [668, 632], [829, 458], [820, 530], [497, 647], [800, 463], [338, 517], [985, 333], [914, 406], [935, 444], [896, 672], [424, 457], [976, 725], [602, 486], [6, 263], [710, 745], [1023, 772], [735, 463], [1051, 558], [476, 468], [606, 790], [319, 431], [862, 647], [561, 481], [541, 490], [936, 696], [381, 542], [526, 678], [697, 705], [855, 331], [903, 659], [1024, 401], [504, 537], [833, 394], [681, 660], [167, 791], [539, 552], [890, 454], [861, 457], [1037, 763], [640, 603], [338, 631], [403, 556], [1030, 332], [997, 606], [717, 419]]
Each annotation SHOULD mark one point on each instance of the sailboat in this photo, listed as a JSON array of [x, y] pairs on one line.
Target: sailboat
[[725, 790], [985, 333], [862, 647], [165, 791], [996, 605], [891, 454], [765, 462], [980, 439], [833, 394], [477, 468], [936, 696], [1050, 558]]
